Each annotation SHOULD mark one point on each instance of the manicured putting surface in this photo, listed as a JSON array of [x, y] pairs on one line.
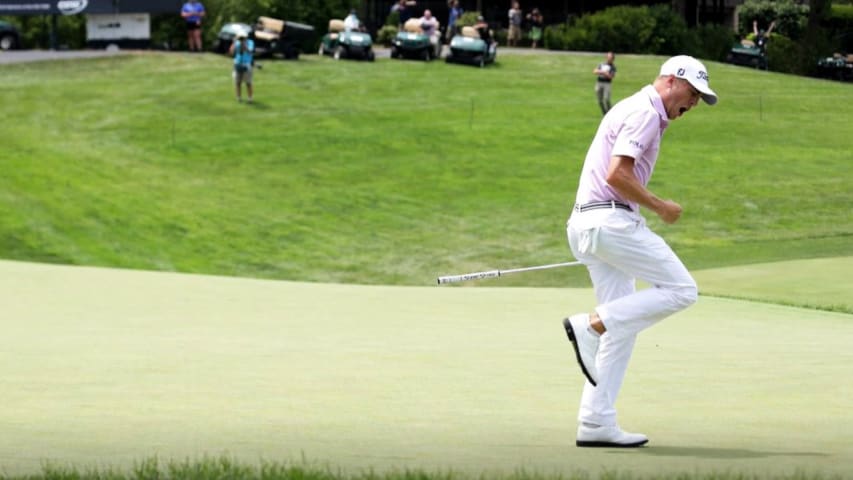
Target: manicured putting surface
[[107, 367]]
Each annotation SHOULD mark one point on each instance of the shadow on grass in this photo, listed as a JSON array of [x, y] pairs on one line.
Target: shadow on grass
[[715, 453], [258, 105]]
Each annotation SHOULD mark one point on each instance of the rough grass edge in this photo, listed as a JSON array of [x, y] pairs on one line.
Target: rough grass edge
[[226, 468], [835, 308]]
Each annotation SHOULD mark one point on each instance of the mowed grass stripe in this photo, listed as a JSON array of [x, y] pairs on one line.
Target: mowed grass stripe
[[103, 367]]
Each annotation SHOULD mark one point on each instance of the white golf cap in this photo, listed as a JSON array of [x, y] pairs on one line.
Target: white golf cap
[[692, 70]]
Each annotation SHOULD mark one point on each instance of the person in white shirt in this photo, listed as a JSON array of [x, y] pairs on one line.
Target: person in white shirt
[[430, 27], [351, 22], [514, 19]]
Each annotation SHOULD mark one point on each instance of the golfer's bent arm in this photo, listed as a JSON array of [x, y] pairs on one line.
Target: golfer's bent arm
[[620, 176]]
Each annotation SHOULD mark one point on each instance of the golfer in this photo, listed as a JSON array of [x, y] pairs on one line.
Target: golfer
[[607, 234]]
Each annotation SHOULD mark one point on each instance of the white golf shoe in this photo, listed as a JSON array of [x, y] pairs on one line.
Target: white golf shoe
[[612, 437], [585, 343]]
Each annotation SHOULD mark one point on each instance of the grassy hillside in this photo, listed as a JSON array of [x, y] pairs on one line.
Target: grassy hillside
[[395, 172]]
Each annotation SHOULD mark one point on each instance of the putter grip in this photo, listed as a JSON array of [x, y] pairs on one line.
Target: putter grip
[[468, 276]]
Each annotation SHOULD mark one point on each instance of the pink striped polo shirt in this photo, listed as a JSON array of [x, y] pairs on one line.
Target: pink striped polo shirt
[[632, 128]]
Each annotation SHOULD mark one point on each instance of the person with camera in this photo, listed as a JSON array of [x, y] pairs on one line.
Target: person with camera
[[243, 50], [605, 72]]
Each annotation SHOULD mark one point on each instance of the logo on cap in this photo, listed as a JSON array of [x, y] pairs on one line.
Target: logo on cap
[[702, 75], [71, 7]]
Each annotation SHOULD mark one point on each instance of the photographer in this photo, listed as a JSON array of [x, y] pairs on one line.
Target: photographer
[[243, 50]]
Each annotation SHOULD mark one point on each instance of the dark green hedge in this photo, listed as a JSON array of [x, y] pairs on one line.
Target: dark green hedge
[[645, 30]]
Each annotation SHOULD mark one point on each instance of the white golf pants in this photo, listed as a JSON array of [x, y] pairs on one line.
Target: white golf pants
[[617, 248]]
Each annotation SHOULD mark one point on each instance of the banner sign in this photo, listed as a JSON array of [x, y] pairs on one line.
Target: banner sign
[[74, 7]]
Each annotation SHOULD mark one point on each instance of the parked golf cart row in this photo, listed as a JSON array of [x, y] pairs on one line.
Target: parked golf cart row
[[274, 36], [412, 43]]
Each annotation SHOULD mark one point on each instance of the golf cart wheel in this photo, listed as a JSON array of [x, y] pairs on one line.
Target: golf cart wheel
[[394, 52], [7, 42], [370, 56], [482, 62], [425, 55], [339, 52]]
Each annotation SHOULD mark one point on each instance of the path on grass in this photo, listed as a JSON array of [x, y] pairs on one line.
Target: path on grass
[[25, 56]]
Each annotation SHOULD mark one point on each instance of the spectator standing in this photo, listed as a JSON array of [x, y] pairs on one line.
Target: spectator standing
[[351, 22], [243, 50], [455, 12], [536, 25], [429, 25], [605, 71], [193, 12], [514, 16], [761, 36], [482, 28], [407, 11]]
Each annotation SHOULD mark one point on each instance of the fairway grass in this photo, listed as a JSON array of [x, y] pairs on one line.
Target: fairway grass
[[825, 283], [106, 368], [394, 171]]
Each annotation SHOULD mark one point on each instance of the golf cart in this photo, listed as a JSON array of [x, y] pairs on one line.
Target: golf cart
[[271, 35], [470, 49], [9, 36], [228, 33], [413, 43], [837, 67], [747, 53], [342, 44]]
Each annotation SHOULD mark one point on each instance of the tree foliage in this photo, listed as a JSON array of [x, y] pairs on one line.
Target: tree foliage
[[791, 18]]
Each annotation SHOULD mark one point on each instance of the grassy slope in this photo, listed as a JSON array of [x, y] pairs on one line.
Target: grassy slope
[[107, 367], [394, 172], [817, 283]]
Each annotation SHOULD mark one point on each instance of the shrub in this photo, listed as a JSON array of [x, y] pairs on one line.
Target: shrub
[[35, 30], [787, 56], [839, 27], [501, 36], [554, 36], [393, 19], [651, 30], [670, 35], [386, 34], [621, 29], [712, 42], [467, 19]]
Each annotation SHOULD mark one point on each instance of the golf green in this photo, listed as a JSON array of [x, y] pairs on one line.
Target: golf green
[[102, 367]]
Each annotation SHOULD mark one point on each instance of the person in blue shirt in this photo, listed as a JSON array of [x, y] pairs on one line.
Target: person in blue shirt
[[455, 12], [243, 50], [192, 12]]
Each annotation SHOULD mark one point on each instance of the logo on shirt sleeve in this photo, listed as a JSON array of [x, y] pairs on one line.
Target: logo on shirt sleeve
[[637, 144]]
